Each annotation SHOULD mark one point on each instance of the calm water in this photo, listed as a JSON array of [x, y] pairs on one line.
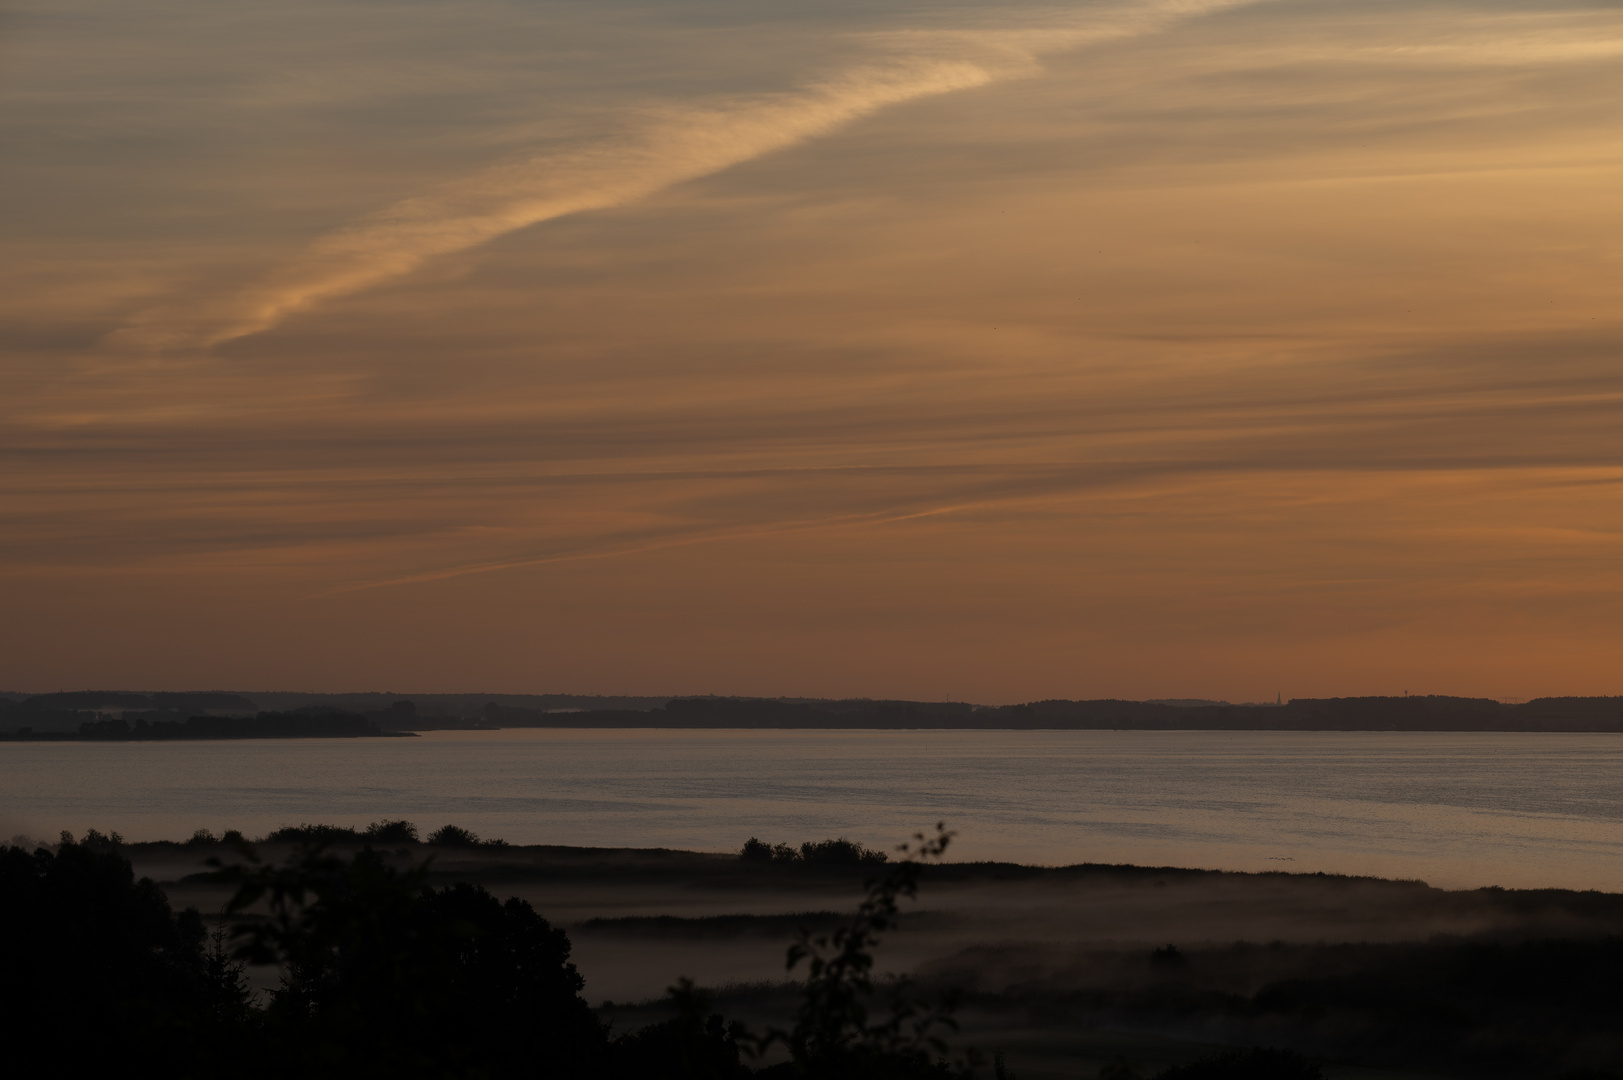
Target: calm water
[[1456, 810]]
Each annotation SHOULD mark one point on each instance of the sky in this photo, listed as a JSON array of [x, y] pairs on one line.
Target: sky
[[988, 352]]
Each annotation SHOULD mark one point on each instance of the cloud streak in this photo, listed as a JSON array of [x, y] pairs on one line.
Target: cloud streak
[[672, 144], [681, 144]]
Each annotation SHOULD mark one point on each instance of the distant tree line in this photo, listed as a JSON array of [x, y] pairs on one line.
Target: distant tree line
[[263, 726], [113, 716], [836, 852], [389, 832], [1417, 713], [160, 716]]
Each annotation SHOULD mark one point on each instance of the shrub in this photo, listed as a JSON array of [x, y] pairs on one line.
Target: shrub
[[391, 832], [312, 834], [453, 836], [840, 851], [695, 1044], [833, 1035], [833, 852], [97, 841]]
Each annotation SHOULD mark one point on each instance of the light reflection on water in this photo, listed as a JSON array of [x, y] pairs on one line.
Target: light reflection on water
[[1456, 810]]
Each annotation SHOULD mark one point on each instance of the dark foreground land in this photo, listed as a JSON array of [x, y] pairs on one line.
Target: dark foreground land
[[1083, 971]]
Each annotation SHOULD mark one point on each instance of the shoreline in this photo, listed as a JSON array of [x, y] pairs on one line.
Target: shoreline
[[417, 732], [499, 860]]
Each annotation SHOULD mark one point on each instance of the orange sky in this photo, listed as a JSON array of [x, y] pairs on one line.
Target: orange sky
[[948, 351]]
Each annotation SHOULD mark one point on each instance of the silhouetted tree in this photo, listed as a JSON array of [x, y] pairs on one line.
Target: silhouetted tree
[[840, 851], [391, 832], [453, 836], [99, 971], [1168, 956], [695, 1044], [833, 1035], [97, 841], [383, 976], [837, 851], [306, 833]]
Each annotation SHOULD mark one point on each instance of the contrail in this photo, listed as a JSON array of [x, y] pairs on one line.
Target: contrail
[[681, 143]]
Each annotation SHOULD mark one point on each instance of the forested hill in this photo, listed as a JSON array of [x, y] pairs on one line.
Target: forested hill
[[1428, 713], [244, 715]]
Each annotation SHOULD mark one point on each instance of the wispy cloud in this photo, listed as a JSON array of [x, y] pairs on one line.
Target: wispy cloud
[[664, 146]]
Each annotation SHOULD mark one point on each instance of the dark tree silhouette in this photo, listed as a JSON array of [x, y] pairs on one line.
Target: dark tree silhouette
[[391, 832], [384, 976], [755, 851], [836, 851], [840, 851], [453, 836], [98, 968], [695, 1044], [833, 1035]]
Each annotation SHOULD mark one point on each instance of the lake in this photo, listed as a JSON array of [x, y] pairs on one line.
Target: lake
[[1456, 810]]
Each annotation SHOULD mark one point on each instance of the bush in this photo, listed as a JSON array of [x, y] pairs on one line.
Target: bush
[[312, 834], [834, 1032], [391, 832], [453, 836], [840, 851], [834, 852], [695, 1044], [458, 837], [1168, 956]]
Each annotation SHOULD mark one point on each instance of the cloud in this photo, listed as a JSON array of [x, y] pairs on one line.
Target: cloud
[[667, 145], [679, 144]]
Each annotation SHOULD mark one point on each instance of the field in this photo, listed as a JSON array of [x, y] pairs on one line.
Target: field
[[1064, 969]]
